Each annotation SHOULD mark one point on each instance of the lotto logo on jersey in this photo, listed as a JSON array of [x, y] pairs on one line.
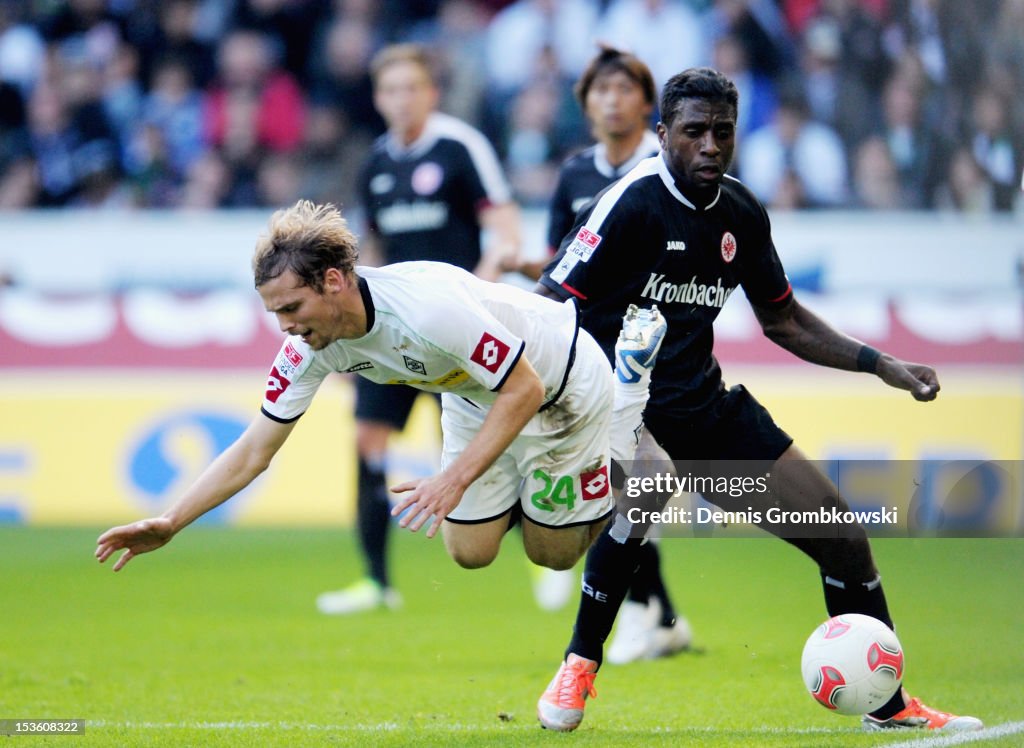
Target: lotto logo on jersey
[[276, 384], [490, 353], [594, 484], [293, 356]]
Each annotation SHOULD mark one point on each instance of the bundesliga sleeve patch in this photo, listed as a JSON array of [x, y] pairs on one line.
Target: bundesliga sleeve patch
[[287, 361], [276, 384], [292, 355], [579, 250], [490, 353], [584, 244]]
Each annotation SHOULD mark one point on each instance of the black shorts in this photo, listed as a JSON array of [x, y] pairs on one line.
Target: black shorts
[[734, 426], [384, 403]]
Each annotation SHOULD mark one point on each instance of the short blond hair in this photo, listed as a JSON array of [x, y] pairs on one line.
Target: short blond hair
[[396, 53], [306, 239]]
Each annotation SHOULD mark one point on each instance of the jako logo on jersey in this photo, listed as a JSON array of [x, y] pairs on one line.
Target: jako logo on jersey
[[276, 384], [292, 355], [678, 246], [663, 291], [490, 353], [728, 246], [594, 484]]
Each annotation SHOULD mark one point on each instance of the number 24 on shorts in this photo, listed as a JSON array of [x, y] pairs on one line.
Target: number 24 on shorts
[[555, 491]]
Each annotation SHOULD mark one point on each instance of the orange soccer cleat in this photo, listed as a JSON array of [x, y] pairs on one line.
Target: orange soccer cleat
[[561, 706], [918, 716]]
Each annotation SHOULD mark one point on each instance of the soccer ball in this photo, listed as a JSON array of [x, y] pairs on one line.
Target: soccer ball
[[852, 664]]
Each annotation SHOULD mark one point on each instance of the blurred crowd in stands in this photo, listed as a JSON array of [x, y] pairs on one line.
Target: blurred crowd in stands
[[874, 104]]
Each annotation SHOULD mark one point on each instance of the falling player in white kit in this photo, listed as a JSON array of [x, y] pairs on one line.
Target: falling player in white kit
[[527, 409]]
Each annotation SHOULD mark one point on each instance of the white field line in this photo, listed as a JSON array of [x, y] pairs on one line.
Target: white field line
[[962, 738], [454, 727], [923, 741]]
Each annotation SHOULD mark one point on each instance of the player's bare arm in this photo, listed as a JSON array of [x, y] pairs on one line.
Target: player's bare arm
[[232, 471], [803, 333], [546, 292], [531, 269], [518, 401], [503, 236]]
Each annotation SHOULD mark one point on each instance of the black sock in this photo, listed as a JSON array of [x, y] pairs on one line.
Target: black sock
[[650, 570], [867, 598], [640, 590], [606, 578], [373, 519], [891, 707]]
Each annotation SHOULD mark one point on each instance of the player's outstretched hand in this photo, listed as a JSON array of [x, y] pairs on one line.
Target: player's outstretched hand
[[139, 537], [920, 380], [429, 497]]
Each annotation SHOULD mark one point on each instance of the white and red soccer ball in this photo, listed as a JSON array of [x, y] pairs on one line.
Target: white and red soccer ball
[[852, 664]]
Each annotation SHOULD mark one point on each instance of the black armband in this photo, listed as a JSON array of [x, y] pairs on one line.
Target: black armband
[[867, 359]]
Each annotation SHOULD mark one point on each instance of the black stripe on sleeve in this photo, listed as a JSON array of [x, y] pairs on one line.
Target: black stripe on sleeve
[[519, 353], [272, 417]]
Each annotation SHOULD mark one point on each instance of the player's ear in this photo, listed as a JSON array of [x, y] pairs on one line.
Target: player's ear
[[334, 280], [662, 131]]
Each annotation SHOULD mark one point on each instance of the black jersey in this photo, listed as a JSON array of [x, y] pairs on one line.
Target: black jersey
[[582, 176], [422, 201], [643, 242]]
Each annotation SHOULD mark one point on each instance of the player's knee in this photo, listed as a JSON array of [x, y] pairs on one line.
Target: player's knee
[[472, 558], [558, 559]]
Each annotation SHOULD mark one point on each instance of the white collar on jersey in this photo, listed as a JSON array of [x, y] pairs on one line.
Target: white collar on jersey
[[422, 144], [648, 146], [670, 185]]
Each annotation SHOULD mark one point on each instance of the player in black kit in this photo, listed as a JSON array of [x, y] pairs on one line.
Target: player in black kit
[[621, 128], [678, 232], [617, 94], [430, 186]]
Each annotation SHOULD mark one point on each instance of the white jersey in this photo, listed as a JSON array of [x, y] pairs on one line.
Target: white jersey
[[437, 328]]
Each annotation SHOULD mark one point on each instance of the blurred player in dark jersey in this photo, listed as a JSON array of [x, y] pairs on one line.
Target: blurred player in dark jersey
[[678, 232], [617, 94], [430, 187]]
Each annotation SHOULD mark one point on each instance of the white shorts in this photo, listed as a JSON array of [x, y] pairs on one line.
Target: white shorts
[[558, 468]]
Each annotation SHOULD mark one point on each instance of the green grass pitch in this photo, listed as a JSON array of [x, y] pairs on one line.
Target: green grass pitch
[[215, 641]]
